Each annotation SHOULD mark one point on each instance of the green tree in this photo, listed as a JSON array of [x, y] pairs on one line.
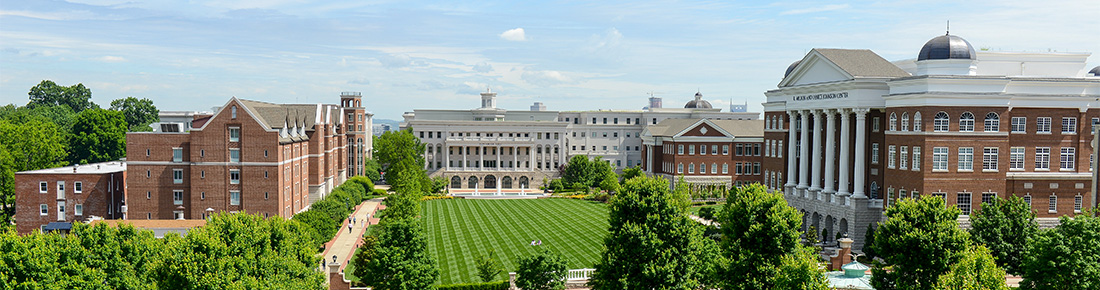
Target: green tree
[[63, 116], [98, 135], [47, 93], [543, 270], [975, 271], [760, 240], [580, 171], [373, 170], [868, 244], [652, 243], [139, 113], [631, 172], [26, 146], [1066, 257], [402, 206], [364, 255], [488, 267], [399, 153], [1004, 226], [401, 260], [918, 242]]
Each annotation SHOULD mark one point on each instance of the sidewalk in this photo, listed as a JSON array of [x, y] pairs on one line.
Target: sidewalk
[[344, 244]]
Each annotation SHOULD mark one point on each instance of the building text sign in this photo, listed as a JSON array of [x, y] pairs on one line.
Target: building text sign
[[824, 96]]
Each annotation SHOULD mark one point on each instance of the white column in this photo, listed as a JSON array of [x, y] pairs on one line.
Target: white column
[[649, 158], [791, 161], [465, 150], [830, 151], [481, 158], [815, 166], [447, 158], [845, 157], [515, 157], [861, 153], [530, 158], [498, 161], [804, 148]]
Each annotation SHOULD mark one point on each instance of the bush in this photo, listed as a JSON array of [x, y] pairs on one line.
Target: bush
[[498, 285], [435, 197], [707, 213], [543, 270], [599, 197], [379, 191]]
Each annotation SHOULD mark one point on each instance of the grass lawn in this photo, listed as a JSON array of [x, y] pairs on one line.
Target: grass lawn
[[460, 230]]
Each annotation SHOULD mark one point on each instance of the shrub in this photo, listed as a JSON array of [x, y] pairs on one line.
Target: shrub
[[435, 197], [379, 191], [541, 271], [498, 285], [599, 197], [707, 213]]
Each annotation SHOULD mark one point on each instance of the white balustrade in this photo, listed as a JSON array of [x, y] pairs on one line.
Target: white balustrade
[[579, 274]]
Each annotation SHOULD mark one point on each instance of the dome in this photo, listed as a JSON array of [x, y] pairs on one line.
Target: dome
[[1095, 71], [697, 103], [791, 67], [946, 47]]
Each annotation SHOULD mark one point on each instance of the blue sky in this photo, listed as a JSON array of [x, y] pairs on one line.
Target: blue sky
[[405, 55]]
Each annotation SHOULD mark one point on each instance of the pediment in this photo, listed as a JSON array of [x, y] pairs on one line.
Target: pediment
[[703, 128], [815, 69]]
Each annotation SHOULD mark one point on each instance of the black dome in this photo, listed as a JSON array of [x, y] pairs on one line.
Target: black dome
[[1095, 71], [791, 67], [947, 47], [698, 103]]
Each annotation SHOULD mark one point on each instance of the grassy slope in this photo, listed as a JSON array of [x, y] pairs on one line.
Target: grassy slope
[[461, 230]]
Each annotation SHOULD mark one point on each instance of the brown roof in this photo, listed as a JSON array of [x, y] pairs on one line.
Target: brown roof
[[861, 62], [155, 224], [739, 128]]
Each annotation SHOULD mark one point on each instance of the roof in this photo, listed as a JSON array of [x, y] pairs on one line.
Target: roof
[[861, 63], [947, 47], [54, 226], [276, 116], [94, 168], [746, 128]]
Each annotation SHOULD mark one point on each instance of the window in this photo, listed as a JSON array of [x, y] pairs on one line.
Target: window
[[691, 168], [691, 150], [177, 176], [1068, 158], [725, 168], [1052, 204], [234, 176], [756, 149], [680, 149], [605, 120], [78, 187], [1069, 125], [714, 149], [235, 134], [756, 168], [148, 195], [43, 209], [903, 158], [616, 120], [966, 122], [890, 156], [905, 121], [680, 168], [1016, 158], [43, 187], [235, 155], [1095, 124], [725, 149], [916, 158], [177, 197], [966, 158], [989, 158], [1027, 199], [875, 124], [738, 169], [1042, 125], [917, 122], [1077, 203], [941, 123], [702, 168], [234, 197], [893, 121], [740, 150], [1019, 124], [874, 153], [78, 209], [702, 149], [992, 122], [177, 154], [233, 112], [963, 202], [147, 152], [1042, 158], [202, 195]]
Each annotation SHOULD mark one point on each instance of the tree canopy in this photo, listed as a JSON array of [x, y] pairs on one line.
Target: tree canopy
[[1004, 227], [98, 135], [138, 113], [918, 242], [543, 270], [975, 271], [652, 243], [400, 154], [47, 93], [581, 172], [401, 259], [30, 145], [1066, 257]]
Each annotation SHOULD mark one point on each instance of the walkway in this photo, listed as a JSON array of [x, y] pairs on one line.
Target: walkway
[[344, 244]]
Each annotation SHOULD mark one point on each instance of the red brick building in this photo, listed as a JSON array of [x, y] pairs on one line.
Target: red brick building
[[69, 194], [706, 153], [262, 158]]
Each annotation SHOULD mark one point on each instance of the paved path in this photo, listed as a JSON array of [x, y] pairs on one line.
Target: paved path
[[345, 243]]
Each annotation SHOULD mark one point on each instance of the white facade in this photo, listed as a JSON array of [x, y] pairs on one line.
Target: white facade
[[490, 143]]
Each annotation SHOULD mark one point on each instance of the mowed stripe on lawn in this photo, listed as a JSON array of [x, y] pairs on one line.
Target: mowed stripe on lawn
[[460, 230]]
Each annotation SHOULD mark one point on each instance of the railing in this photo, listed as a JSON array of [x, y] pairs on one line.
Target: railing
[[874, 203], [579, 274]]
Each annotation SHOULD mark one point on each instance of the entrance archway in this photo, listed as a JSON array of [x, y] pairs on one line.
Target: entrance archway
[[523, 182], [506, 182], [456, 182], [490, 181], [471, 182]]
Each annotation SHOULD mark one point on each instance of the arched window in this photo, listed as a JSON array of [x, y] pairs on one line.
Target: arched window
[[941, 123], [916, 122], [714, 168], [523, 182], [966, 122], [992, 122], [893, 121], [506, 182], [680, 168], [702, 168], [456, 182], [905, 121], [472, 182]]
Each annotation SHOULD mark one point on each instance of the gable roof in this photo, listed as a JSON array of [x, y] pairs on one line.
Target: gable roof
[[861, 62], [737, 128]]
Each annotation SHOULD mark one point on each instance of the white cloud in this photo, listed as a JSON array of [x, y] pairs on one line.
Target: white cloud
[[514, 35], [111, 58], [545, 77], [483, 67], [829, 7], [396, 61]]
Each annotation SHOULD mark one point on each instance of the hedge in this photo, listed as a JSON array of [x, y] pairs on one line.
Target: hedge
[[499, 285], [325, 216]]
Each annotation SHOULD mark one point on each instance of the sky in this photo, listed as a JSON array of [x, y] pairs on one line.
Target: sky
[[406, 55]]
